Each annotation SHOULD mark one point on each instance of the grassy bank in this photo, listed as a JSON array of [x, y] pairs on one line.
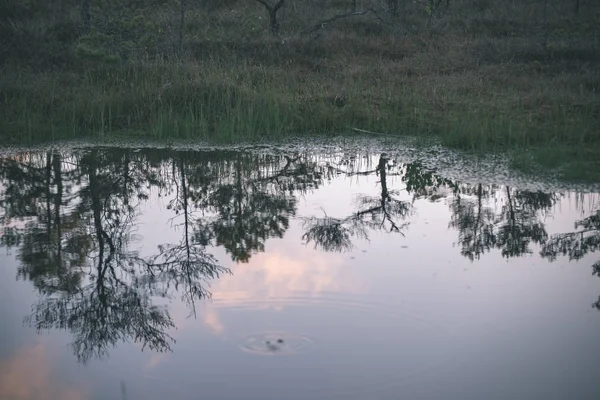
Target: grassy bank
[[482, 75]]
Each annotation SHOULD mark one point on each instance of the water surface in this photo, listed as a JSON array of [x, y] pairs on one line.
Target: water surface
[[274, 273]]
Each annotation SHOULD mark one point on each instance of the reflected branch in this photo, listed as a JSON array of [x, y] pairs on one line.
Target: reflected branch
[[383, 213], [183, 268], [332, 234], [576, 244]]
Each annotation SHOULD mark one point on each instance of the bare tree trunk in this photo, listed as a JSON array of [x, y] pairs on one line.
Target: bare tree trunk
[[353, 5], [576, 7], [86, 20], [274, 23], [545, 24], [272, 10], [393, 7], [181, 25]]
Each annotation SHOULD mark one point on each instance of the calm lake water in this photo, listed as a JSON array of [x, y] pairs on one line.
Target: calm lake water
[[266, 273]]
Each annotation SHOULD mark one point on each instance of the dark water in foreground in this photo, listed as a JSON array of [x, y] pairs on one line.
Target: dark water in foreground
[[215, 274]]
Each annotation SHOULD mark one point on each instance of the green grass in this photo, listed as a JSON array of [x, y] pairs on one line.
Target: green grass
[[483, 76]]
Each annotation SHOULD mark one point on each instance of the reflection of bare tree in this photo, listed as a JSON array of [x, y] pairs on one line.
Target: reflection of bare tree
[[474, 221], [81, 215], [257, 202], [102, 308], [518, 225], [424, 183], [596, 272], [575, 245], [512, 230], [49, 239], [333, 234], [72, 220], [102, 314], [385, 212], [185, 267]]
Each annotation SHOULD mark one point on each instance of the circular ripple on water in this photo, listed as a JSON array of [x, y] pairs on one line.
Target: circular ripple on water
[[418, 330], [275, 343], [407, 311]]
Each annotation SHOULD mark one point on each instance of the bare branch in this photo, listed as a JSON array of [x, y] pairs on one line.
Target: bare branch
[[272, 10], [267, 5], [322, 24], [278, 5]]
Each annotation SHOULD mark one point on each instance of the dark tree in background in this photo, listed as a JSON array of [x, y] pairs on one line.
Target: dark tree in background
[[86, 19], [272, 10], [393, 7]]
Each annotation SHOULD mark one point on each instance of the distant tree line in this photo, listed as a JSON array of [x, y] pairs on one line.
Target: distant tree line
[[115, 30]]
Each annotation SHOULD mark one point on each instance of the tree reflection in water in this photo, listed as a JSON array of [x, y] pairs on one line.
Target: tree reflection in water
[[72, 220], [585, 239], [512, 230]]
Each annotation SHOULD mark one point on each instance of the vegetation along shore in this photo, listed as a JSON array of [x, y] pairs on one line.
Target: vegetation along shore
[[480, 75]]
